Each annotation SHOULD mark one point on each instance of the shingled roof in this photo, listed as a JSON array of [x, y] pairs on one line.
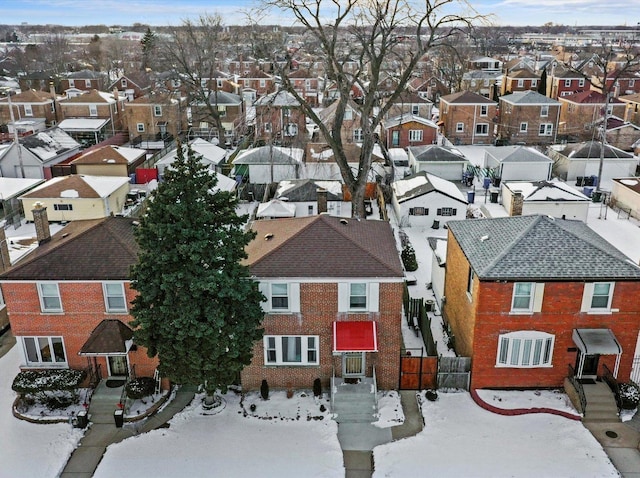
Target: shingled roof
[[98, 249], [323, 247], [539, 248]]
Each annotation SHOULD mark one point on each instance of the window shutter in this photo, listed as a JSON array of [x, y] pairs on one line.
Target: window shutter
[[586, 297], [374, 297], [538, 296], [411, 211], [455, 211], [294, 296], [343, 297], [439, 212], [264, 288]]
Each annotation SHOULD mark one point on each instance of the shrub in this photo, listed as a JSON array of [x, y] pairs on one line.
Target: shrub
[[409, 258], [317, 387], [630, 395], [60, 400], [264, 390], [140, 387], [37, 381]]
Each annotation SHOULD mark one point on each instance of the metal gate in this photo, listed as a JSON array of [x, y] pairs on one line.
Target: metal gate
[[635, 369], [454, 372]]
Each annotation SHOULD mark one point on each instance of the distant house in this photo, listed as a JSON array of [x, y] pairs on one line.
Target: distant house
[[518, 163], [551, 198], [109, 161], [85, 80], [320, 163], [622, 134], [30, 105], [467, 118], [409, 103], [38, 153], [564, 81], [156, 117], [10, 206], [311, 197], [211, 155], [231, 110], [306, 85], [276, 208], [351, 128], [534, 299], [77, 197], [482, 82], [279, 119], [268, 164], [442, 161], [527, 117], [580, 114], [256, 83], [409, 130], [132, 85], [520, 76], [423, 199]]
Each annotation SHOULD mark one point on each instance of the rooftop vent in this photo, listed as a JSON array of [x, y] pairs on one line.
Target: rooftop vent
[[268, 237], [344, 221], [484, 238]]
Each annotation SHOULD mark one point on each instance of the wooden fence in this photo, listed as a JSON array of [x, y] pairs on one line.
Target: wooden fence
[[454, 372], [418, 372]]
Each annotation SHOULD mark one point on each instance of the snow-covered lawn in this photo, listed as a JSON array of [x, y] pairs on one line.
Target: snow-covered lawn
[[231, 444], [27, 449], [462, 439]]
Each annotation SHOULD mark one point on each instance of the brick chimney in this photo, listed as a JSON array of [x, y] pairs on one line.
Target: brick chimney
[[5, 260], [517, 202], [322, 200], [41, 221]]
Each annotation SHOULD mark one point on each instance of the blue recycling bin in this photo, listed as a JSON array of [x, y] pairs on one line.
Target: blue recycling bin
[[587, 191], [486, 183], [471, 195]]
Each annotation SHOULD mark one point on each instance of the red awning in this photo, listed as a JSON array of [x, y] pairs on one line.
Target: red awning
[[355, 337]]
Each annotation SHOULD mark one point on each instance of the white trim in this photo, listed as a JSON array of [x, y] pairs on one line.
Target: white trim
[[41, 296], [522, 347], [106, 297], [277, 350], [40, 363]]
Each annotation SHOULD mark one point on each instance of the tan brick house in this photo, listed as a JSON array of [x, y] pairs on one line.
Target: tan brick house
[[533, 299], [527, 117], [334, 302], [580, 114], [29, 104], [468, 118], [94, 105], [156, 115]]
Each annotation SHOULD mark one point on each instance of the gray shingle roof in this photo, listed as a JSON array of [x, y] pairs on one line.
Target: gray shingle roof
[[516, 154], [528, 98], [435, 153], [539, 248]]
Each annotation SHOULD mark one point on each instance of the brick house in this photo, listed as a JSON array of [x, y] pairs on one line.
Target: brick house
[[230, 108], [409, 103], [68, 300], [85, 80], [280, 119], [485, 83], [256, 84], [306, 84], [520, 76], [580, 113], [156, 115], [528, 117], [565, 81], [526, 312], [334, 302], [132, 85], [29, 104], [467, 118], [409, 130]]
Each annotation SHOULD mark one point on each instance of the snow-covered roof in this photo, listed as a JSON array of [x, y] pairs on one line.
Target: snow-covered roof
[[50, 143], [422, 183], [270, 155], [211, 153], [71, 186], [83, 124], [546, 191], [276, 208], [11, 187]]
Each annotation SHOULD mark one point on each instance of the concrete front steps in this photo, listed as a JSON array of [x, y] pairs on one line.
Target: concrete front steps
[[601, 404], [354, 403]]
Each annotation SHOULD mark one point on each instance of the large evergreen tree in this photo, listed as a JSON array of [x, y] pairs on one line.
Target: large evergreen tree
[[197, 308]]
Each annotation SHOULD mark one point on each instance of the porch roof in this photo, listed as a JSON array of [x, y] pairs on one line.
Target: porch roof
[[596, 342], [109, 337], [359, 336]]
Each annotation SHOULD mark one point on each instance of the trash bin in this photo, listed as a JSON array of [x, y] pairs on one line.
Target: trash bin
[[471, 195], [597, 196], [429, 305], [118, 417], [494, 197], [486, 182], [82, 419], [587, 191]]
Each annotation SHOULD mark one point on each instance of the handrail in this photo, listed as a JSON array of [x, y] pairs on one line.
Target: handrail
[[333, 383], [578, 387], [613, 385], [123, 404]]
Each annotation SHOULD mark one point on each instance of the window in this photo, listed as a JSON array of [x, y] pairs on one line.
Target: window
[[157, 110], [358, 135], [522, 297], [357, 296], [459, 127], [203, 83], [567, 83], [534, 83], [219, 82], [484, 110], [523, 127], [310, 210], [72, 83], [140, 127], [546, 129], [87, 83], [246, 82], [263, 83], [610, 109], [520, 83], [280, 296], [581, 82], [222, 111], [348, 114], [291, 350], [525, 349], [482, 129], [291, 129], [63, 207], [544, 111], [123, 83], [415, 135], [44, 351], [632, 83], [597, 296], [53, 107], [267, 127], [446, 211], [175, 83], [28, 110], [49, 297], [415, 109], [114, 297], [470, 279], [418, 211], [93, 110]]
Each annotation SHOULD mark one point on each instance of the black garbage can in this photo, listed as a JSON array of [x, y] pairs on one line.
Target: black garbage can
[[118, 417], [82, 419], [494, 196]]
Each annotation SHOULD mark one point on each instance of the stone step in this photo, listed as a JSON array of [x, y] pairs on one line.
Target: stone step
[[596, 416]]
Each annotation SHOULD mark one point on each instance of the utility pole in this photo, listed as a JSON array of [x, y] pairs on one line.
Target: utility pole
[[15, 136], [603, 138]]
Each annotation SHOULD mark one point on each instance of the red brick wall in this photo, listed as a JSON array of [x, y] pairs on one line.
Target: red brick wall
[[318, 312]]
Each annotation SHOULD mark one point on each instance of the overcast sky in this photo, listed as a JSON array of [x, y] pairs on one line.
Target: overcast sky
[[171, 12]]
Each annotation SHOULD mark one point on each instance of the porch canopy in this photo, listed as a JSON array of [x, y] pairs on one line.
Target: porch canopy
[[361, 336], [108, 338], [597, 342]]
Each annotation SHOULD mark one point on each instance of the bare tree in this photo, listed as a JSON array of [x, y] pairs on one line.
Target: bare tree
[[380, 35]]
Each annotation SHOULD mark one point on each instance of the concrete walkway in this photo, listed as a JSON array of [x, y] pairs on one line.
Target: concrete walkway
[[102, 431], [620, 442], [358, 440]]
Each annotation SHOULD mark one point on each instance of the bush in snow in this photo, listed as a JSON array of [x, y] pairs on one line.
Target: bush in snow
[[140, 387], [409, 258], [630, 395], [264, 390], [317, 388], [53, 388]]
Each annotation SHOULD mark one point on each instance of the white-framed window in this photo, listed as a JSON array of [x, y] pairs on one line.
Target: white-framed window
[[597, 296], [415, 135], [482, 129], [415, 109], [123, 83], [93, 110], [263, 83], [157, 110], [523, 127], [28, 110], [567, 83], [44, 351], [522, 300], [291, 350], [520, 83], [140, 127], [280, 296], [446, 211], [525, 349], [291, 129], [53, 107], [115, 299], [222, 111], [87, 83], [63, 207], [246, 82], [459, 127], [49, 294], [546, 129], [203, 82], [581, 82], [544, 111], [358, 296], [310, 211], [348, 114], [358, 135], [72, 83], [470, 277], [219, 82], [267, 127], [632, 83], [534, 83], [484, 110]]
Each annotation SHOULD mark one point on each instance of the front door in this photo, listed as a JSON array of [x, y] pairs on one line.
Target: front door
[[118, 365], [352, 364], [589, 367]]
